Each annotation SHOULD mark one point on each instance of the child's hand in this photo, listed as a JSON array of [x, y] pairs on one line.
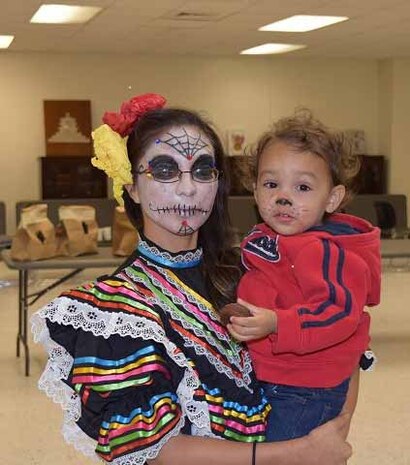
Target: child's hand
[[260, 324]]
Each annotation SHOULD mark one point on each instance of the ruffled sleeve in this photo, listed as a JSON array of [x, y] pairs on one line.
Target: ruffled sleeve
[[113, 369]]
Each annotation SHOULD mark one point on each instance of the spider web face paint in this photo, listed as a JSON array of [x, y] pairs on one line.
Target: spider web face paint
[[185, 144], [185, 229], [178, 208]]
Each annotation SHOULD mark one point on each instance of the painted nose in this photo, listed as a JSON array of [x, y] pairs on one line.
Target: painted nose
[[186, 185], [284, 202]]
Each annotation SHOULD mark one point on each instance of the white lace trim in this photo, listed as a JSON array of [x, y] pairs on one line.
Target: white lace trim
[[182, 258], [234, 358], [57, 369], [196, 411], [208, 309], [59, 365]]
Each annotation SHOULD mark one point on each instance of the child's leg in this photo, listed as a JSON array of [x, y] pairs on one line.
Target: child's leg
[[296, 410]]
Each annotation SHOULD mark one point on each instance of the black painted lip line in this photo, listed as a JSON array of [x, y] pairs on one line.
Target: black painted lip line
[[186, 210]]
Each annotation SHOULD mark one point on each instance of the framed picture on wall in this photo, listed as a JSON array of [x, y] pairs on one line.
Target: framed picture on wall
[[67, 126], [236, 141]]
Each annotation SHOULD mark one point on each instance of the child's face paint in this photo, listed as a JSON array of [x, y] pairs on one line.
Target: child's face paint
[[294, 189]]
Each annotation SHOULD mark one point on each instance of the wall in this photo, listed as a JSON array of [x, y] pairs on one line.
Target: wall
[[385, 106], [400, 153], [394, 123], [242, 92]]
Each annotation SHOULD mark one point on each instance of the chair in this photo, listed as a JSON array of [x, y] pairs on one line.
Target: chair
[[387, 221], [386, 218], [390, 229], [389, 213]]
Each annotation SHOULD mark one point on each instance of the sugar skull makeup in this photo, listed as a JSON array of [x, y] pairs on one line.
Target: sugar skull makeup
[[176, 182], [164, 168], [185, 144]]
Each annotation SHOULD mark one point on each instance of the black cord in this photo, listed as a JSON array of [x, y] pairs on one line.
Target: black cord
[[254, 453]]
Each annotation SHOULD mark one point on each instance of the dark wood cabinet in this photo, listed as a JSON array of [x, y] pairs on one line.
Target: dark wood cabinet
[[372, 177], [71, 177], [239, 168]]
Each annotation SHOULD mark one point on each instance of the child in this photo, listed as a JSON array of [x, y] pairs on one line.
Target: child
[[315, 270]]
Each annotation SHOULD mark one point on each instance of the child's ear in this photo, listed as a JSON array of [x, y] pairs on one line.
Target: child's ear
[[336, 196], [254, 192], [133, 192]]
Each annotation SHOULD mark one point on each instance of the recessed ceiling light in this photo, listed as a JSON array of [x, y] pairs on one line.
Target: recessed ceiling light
[[302, 23], [5, 41], [64, 14], [267, 49]]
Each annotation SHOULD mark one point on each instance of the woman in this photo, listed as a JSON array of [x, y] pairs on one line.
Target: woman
[[139, 360]]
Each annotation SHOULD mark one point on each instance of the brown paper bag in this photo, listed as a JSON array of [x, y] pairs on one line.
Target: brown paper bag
[[35, 238], [77, 231], [124, 234]]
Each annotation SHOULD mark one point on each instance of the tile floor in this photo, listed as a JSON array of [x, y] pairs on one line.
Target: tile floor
[[380, 435]]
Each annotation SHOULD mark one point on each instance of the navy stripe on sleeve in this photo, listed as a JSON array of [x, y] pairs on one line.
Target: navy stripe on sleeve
[[331, 300]]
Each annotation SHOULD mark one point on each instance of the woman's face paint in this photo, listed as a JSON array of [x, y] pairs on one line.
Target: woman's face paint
[[180, 207]]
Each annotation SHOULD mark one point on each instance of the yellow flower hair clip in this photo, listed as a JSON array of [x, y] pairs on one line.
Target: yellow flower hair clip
[[111, 156], [110, 139]]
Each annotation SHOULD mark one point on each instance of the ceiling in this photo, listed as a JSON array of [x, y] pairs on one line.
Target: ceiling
[[377, 28]]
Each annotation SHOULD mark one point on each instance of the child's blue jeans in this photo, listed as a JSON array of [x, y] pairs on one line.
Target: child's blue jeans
[[298, 410]]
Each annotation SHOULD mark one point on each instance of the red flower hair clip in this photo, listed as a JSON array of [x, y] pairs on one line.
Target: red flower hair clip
[[130, 111]]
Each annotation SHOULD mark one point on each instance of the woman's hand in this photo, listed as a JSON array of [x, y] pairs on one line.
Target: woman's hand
[[262, 322], [327, 444]]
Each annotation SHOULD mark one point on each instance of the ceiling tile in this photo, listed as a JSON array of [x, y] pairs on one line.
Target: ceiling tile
[[377, 28]]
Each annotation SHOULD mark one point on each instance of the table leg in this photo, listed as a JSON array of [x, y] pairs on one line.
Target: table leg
[[20, 311], [22, 336], [24, 304]]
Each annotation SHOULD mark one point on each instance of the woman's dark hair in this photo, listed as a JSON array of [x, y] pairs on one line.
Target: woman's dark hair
[[220, 265]]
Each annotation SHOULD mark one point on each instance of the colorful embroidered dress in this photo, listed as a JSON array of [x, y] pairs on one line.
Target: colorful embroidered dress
[[139, 357]]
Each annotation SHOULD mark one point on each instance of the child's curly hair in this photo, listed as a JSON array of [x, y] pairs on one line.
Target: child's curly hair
[[307, 134]]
